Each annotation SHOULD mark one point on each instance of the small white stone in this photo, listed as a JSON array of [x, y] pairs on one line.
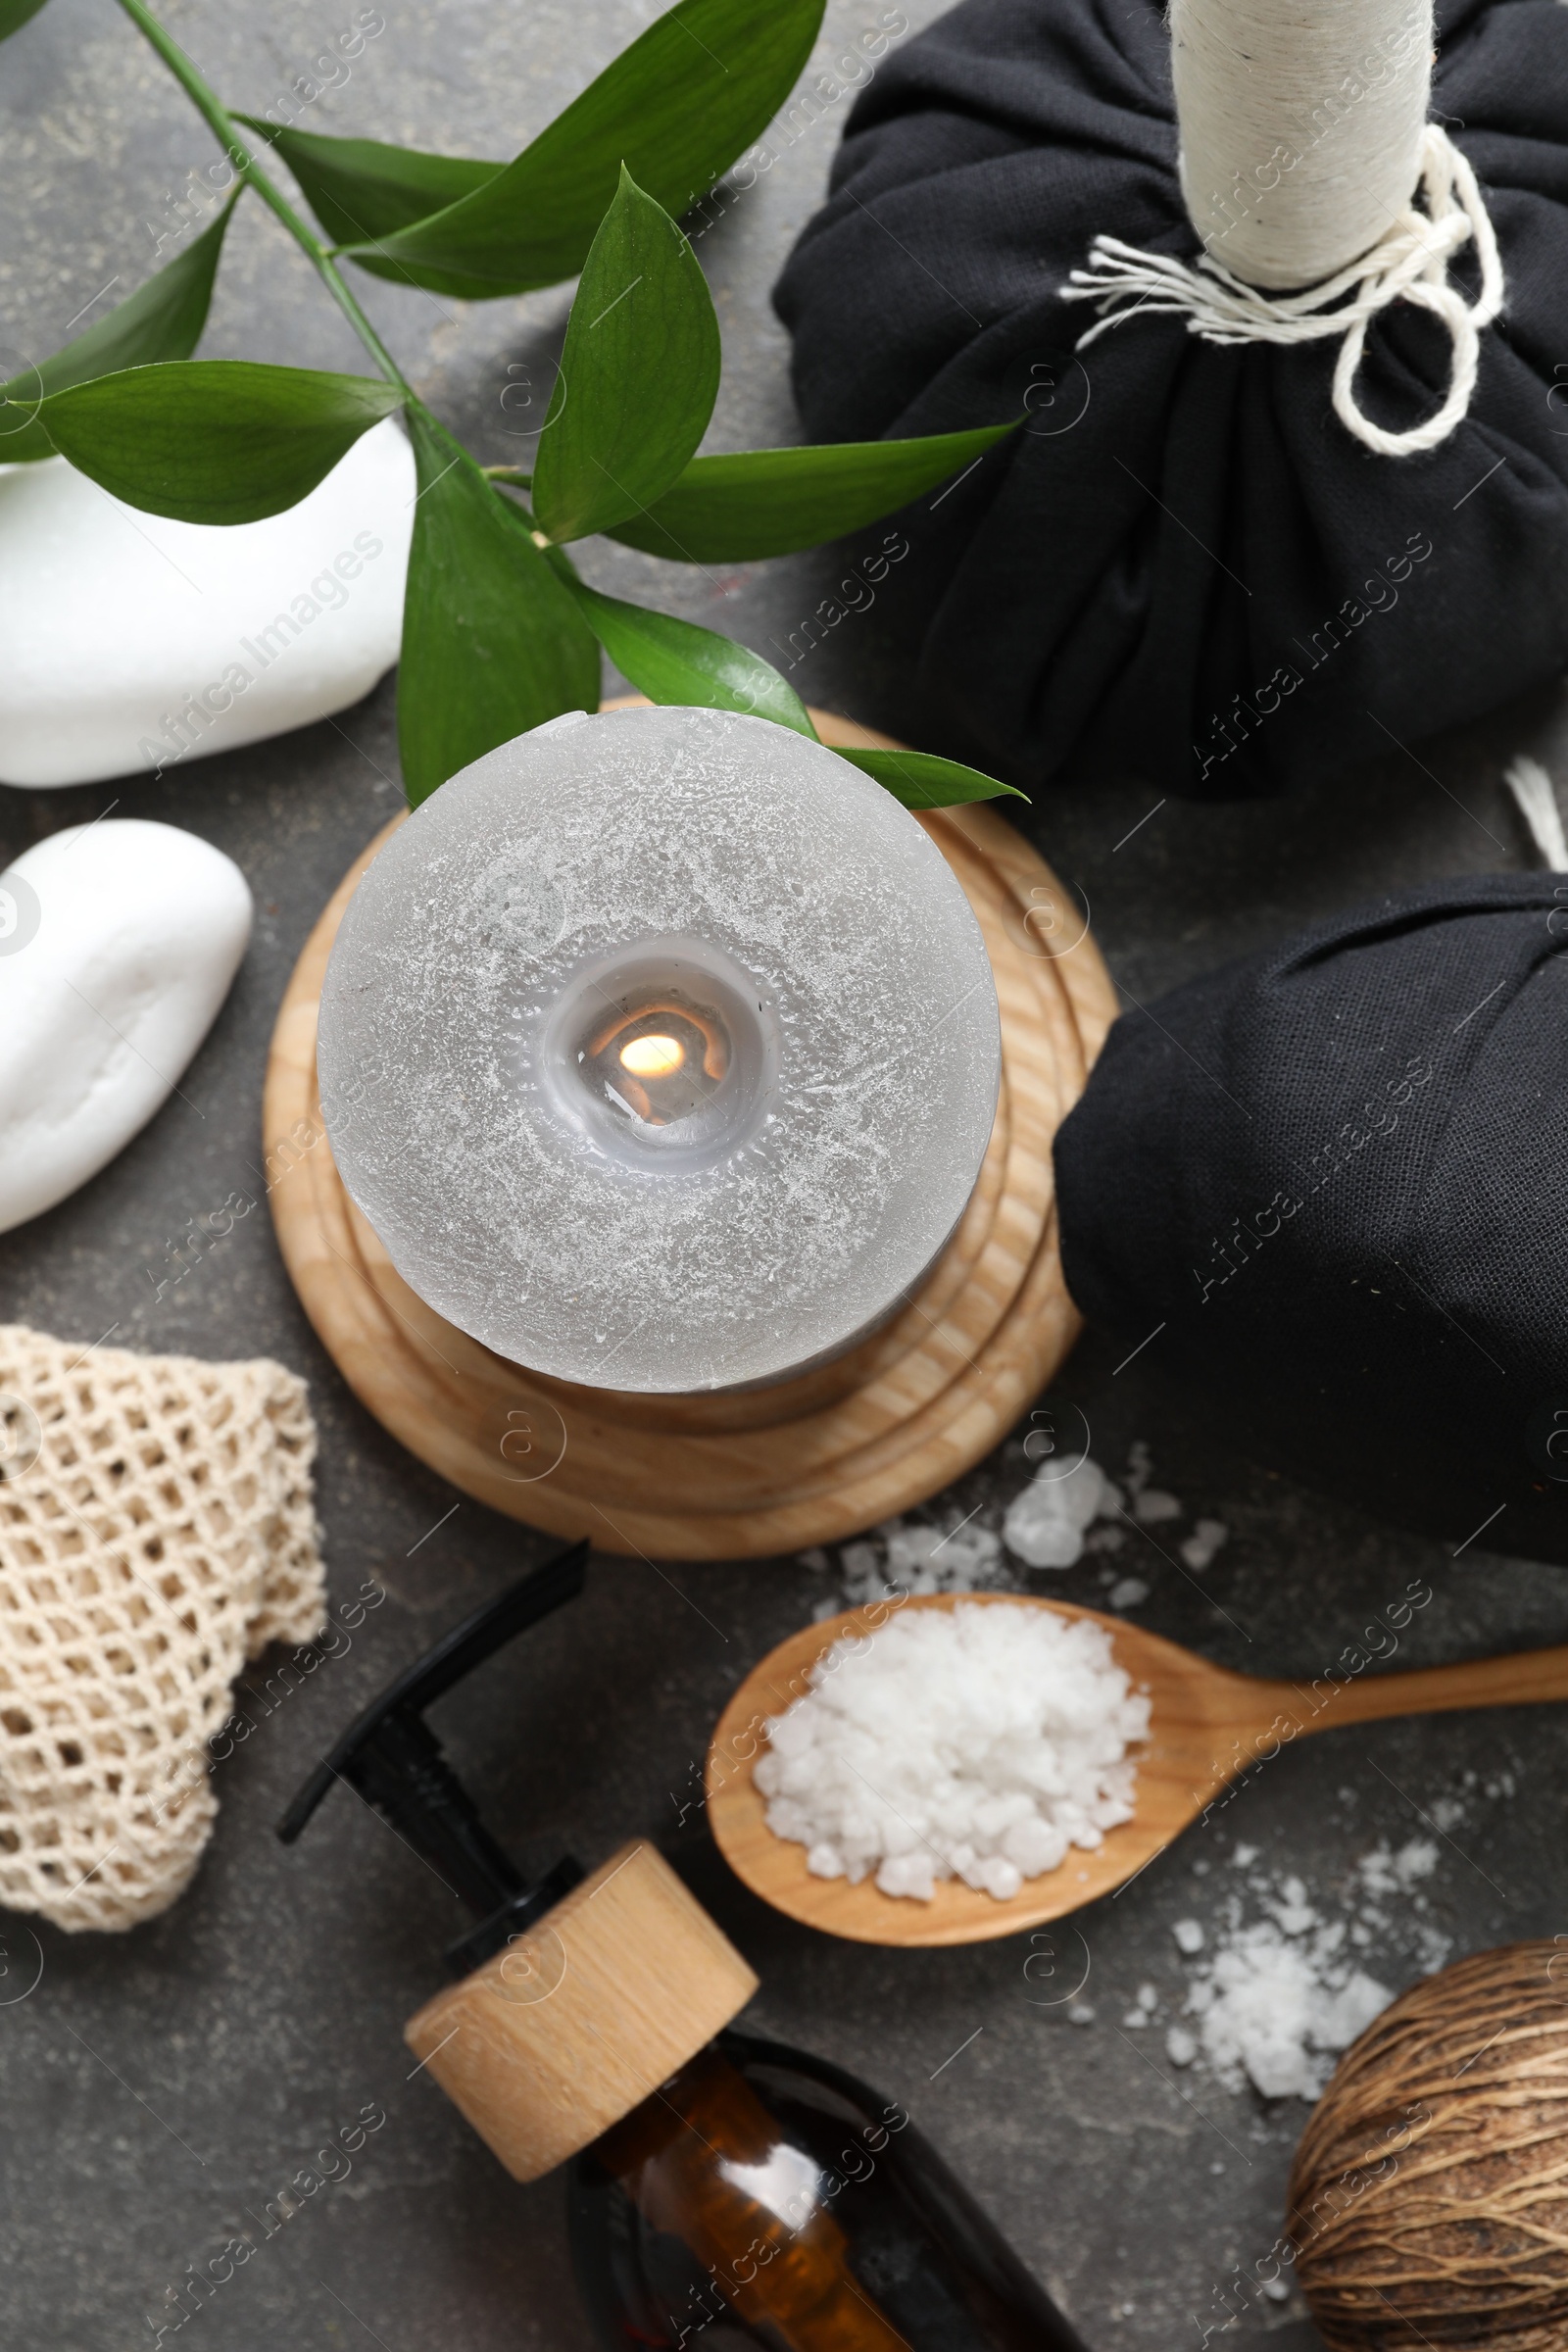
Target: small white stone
[[116, 622], [118, 944], [1189, 1935]]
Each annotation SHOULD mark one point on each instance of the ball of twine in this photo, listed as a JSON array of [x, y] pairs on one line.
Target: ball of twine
[[1429, 2195]]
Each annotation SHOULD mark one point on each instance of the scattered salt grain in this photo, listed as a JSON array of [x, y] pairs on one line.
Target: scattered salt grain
[[862, 1564], [1153, 1506], [1294, 1914], [1082, 2013], [815, 1559], [1277, 2010], [1431, 1948], [1383, 1872], [1147, 1998], [1046, 1522], [1128, 1594], [938, 1559], [1205, 1540], [979, 1743], [921, 1558], [1274, 1999], [1189, 1935]]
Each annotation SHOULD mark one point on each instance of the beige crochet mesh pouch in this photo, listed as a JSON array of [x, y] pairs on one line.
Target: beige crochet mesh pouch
[[157, 1529]]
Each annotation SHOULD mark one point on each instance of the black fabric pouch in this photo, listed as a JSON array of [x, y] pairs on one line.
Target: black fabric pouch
[[1334, 1178], [1182, 566]]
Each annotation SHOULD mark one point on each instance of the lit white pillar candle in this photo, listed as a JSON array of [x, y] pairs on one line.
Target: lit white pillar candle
[[660, 1050]]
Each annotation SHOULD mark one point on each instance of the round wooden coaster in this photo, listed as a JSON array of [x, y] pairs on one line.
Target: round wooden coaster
[[808, 1462]]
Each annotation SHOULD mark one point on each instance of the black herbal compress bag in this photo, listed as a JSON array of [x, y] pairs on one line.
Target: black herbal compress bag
[[1183, 563], [1336, 1176]]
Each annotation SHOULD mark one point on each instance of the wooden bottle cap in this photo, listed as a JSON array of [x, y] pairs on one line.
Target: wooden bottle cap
[[574, 2024]]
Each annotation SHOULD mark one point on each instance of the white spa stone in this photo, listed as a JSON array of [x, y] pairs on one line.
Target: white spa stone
[[544, 904], [118, 944], [132, 642]]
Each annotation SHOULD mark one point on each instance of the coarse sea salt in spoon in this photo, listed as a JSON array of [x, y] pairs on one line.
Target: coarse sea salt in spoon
[[1208, 1727], [981, 1745]]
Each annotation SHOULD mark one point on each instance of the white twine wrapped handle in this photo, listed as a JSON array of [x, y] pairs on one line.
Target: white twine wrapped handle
[[1410, 264]]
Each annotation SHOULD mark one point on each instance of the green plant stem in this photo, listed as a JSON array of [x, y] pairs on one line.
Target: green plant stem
[[224, 128]]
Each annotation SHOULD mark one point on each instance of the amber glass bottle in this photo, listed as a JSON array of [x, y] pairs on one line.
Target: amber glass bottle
[[723, 2191], [767, 2197]]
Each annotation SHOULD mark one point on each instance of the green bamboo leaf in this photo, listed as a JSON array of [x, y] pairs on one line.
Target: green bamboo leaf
[[214, 440], [920, 780], [361, 189], [676, 108], [162, 321], [675, 661], [14, 14], [774, 502], [493, 643], [639, 374]]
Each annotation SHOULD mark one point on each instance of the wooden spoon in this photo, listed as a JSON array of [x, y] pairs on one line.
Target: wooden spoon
[[1207, 1727]]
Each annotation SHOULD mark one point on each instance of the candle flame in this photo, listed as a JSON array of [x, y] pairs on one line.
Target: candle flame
[[653, 1056]]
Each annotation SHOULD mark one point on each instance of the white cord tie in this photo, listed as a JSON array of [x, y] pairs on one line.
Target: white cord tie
[[1410, 263]]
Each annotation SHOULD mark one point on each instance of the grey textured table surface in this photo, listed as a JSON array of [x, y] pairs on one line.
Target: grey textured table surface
[[159, 2088]]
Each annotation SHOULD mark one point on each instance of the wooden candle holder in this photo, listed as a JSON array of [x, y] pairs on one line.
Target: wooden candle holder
[[811, 1460]]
